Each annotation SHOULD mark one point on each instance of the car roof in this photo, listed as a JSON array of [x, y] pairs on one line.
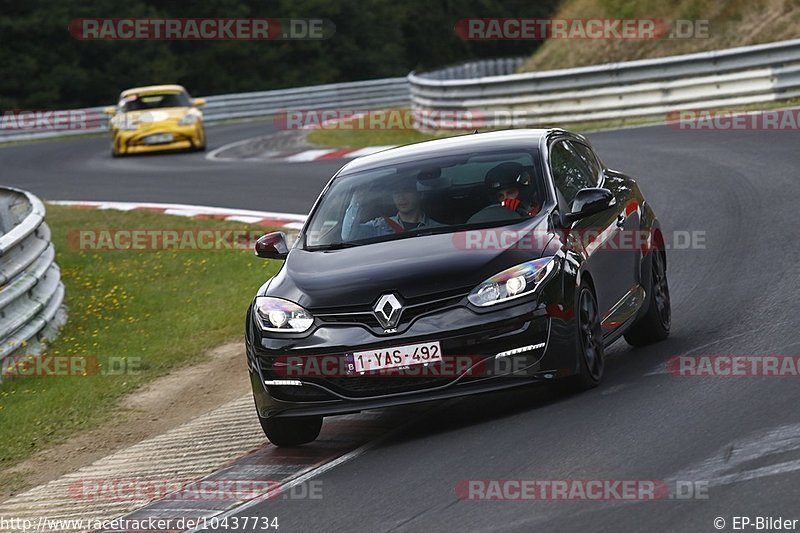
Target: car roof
[[523, 139], [153, 89]]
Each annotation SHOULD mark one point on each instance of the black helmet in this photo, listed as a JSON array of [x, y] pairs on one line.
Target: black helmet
[[507, 175]]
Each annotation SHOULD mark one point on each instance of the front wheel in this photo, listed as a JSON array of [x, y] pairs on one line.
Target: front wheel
[[654, 325], [201, 146], [589, 343], [291, 431]]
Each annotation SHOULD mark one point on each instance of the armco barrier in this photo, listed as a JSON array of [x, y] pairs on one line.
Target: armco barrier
[[370, 94], [489, 89], [31, 292]]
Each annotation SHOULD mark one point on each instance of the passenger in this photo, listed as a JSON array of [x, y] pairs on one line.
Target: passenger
[[510, 185]]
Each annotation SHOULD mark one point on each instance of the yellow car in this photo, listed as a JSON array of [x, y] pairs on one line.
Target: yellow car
[[158, 117]]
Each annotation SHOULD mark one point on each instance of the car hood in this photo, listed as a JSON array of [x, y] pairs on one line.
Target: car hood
[[161, 114], [413, 267]]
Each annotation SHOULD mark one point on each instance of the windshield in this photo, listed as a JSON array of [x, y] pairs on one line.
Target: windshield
[[137, 102], [429, 196]]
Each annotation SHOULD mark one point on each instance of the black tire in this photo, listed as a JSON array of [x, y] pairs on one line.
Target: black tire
[[291, 431], [202, 147], [589, 343], [654, 325]]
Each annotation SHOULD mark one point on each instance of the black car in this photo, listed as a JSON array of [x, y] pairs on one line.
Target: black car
[[452, 267]]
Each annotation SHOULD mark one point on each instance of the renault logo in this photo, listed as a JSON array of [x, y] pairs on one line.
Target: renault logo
[[387, 310]]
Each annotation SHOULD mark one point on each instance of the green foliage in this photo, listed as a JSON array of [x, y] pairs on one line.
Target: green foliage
[[47, 68]]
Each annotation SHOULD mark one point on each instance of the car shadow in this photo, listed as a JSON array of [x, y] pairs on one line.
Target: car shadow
[[623, 363]]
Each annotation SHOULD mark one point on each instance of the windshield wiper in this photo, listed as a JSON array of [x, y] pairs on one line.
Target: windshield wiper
[[332, 246], [433, 231]]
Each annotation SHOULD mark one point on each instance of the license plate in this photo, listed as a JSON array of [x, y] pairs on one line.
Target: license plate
[[399, 357], [158, 139]]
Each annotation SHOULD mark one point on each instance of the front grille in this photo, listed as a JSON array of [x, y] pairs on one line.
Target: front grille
[[412, 309], [366, 319]]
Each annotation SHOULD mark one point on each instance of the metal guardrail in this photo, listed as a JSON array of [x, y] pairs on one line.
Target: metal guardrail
[[495, 95], [31, 292], [732, 77], [476, 69], [370, 94]]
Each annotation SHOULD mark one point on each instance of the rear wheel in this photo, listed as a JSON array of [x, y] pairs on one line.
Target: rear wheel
[[654, 325], [291, 431]]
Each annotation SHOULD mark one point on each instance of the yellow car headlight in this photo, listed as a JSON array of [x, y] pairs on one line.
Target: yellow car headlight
[[124, 124], [188, 119]]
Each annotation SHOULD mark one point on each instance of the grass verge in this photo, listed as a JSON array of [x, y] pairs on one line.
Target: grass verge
[[344, 138], [355, 138], [152, 310]]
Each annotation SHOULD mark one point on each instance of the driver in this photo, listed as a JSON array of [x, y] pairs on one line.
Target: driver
[[510, 185], [407, 200]]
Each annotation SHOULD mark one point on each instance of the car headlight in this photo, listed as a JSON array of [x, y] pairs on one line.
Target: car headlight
[[125, 124], [513, 282], [283, 316], [188, 119]]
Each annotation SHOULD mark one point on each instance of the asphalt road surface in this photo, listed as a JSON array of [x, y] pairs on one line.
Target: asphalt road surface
[[81, 168], [736, 441]]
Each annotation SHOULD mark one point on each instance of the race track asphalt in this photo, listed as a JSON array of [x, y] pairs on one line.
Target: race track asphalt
[[736, 294]]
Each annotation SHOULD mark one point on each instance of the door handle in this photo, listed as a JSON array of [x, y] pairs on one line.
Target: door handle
[[620, 220]]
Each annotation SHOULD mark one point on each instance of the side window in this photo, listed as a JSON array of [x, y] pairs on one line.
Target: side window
[[570, 172], [589, 159]]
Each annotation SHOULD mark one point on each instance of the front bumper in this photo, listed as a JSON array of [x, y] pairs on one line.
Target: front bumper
[[470, 342], [133, 142]]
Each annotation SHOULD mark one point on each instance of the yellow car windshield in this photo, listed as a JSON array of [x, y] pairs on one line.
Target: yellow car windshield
[[154, 101]]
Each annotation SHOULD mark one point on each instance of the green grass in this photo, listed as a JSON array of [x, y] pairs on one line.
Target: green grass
[[345, 138], [165, 308]]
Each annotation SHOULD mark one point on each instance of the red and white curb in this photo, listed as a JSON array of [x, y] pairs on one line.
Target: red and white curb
[[261, 218], [335, 153], [304, 156]]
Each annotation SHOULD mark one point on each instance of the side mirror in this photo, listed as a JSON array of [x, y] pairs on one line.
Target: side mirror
[[199, 102], [272, 246], [589, 202], [110, 110]]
